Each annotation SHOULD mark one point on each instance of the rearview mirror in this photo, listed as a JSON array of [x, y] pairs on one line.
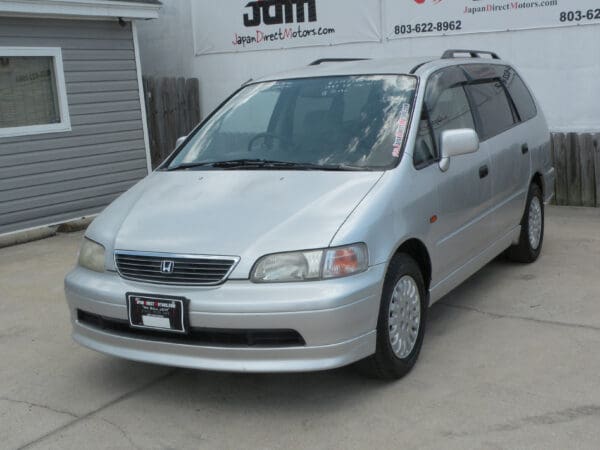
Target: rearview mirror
[[180, 141], [455, 143]]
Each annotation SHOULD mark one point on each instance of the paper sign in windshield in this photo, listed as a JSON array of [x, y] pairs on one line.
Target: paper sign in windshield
[[401, 130]]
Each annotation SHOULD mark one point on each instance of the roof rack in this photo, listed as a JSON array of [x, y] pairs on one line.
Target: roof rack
[[449, 54], [327, 60]]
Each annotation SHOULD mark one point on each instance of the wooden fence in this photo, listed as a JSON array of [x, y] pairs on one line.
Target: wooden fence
[[576, 158], [173, 110]]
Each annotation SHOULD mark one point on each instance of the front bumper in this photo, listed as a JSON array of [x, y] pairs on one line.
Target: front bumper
[[336, 318]]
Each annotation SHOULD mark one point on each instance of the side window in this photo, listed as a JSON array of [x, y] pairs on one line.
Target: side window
[[493, 107], [424, 152], [520, 95], [446, 108], [451, 112]]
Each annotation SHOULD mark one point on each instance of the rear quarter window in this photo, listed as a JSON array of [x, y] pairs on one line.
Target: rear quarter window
[[520, 94], [492, 107]]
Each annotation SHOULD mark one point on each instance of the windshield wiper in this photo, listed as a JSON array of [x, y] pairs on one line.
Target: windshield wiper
[[186, 166], [229, 164], [267, 164], [253, 163]]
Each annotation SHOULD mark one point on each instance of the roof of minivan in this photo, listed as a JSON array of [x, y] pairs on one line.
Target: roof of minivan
[[371, 67]]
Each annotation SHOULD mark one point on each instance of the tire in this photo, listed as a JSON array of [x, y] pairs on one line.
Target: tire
[[392, 361], [529, 248]]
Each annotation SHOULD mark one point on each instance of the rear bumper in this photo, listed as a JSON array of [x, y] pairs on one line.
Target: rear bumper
[[336, 318]]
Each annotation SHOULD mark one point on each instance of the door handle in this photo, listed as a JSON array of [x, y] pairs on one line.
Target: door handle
[[483, 171], [525, 149]]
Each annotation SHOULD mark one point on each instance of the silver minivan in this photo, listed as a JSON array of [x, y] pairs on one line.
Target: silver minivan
[[311, 220]]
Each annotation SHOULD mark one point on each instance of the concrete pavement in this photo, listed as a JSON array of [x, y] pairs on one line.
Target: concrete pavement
[[511, 360]]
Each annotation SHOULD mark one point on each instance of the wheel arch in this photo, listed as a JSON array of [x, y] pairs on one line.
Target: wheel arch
[[418, 251]]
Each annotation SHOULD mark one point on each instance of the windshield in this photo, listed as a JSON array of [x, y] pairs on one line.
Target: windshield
[[343, 123]]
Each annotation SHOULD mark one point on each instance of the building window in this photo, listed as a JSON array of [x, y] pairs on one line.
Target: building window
[[33, 96]]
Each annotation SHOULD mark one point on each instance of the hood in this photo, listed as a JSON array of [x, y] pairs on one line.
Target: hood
[[232, 213]]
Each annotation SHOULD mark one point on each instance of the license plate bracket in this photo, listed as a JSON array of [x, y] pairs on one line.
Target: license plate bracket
[[158, 313]]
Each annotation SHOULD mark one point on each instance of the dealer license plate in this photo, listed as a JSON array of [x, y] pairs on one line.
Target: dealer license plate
[[157, 313]]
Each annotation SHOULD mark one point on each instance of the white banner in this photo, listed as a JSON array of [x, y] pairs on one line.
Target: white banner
[[243, 25], [418, 18]]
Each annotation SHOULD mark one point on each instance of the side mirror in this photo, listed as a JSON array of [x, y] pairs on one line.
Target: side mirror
[[456, 143], [180, 141]]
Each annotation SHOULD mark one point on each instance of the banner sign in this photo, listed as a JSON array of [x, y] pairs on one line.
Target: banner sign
[[242, 25], [419, 18]]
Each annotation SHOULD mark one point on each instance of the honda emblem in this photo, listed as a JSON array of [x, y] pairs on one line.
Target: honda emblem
[[167, 266]]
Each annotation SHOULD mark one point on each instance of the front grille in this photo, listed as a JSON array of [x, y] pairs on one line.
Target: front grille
[[165, 268], [198, 336]]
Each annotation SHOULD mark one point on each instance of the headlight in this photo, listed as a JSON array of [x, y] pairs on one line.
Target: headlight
[[91, 255], [311, 265]]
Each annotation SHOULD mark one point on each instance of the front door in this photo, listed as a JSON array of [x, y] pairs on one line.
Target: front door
[[465, 221]]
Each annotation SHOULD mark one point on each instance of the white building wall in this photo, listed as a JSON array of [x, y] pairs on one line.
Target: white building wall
[[562, 65]]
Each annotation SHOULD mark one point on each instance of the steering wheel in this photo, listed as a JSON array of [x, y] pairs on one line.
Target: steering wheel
[[268, 141]]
